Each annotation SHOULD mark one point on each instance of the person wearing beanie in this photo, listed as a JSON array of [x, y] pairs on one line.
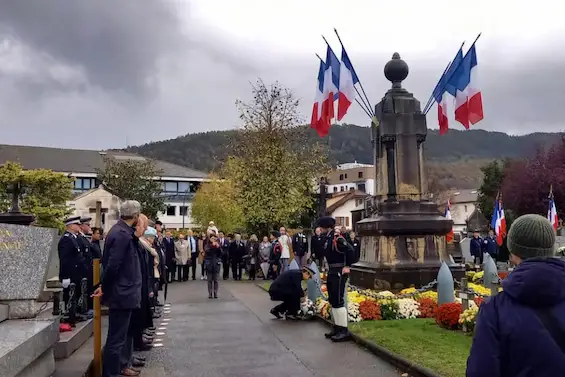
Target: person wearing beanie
[[521, 330]]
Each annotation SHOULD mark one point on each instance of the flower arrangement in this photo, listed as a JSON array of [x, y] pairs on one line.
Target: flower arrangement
[[389, 309], [479, 289], [323, 308], [353, 314], [369, 310], [356, 297], [448, 315], [408, 308], [428, 307], [469, 318], [478, 300], [429, 294], [478, 276], [307, 309], [503, 275], [407, 291]]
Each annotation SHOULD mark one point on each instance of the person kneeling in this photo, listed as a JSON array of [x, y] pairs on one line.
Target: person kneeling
[[288, 289]]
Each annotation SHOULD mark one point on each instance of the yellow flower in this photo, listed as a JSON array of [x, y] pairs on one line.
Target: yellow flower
[[408, 291], [429, 294]]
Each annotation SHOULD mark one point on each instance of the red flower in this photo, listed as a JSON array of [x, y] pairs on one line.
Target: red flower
[[369, 310], [503, 275], [478, 300], [428, 307], [448, 315]]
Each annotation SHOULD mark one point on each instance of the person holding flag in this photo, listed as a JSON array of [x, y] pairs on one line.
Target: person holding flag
[[552, 211]]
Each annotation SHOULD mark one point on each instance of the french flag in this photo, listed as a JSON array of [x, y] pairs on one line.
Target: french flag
[[447, 214], [443, 88], [316, 122], [347, 80], [331, 90], [498, 221], [552, 212], [468, 98]]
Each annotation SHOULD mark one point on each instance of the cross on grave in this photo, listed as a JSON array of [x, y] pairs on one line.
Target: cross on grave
[[465, 295]]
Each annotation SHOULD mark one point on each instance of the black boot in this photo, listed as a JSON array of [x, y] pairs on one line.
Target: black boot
[[342, 335], [331, 333]]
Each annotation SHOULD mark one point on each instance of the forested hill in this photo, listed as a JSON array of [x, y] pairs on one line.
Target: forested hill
[[205, 151]]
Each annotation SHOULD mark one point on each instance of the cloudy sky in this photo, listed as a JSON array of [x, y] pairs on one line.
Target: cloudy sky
[[106, 73]]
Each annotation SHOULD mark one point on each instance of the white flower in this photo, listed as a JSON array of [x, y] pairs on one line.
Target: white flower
[[408, 308], [353, 312]]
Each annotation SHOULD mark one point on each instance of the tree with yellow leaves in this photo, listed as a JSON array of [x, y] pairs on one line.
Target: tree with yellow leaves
[[216, 201], [275, 182]]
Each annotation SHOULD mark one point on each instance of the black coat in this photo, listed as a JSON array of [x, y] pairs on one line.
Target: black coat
[[300, 244], [318, 246], [237, 251], [73, 264], [225, 245], [288, 284], [212, 258], [122, 278], [169, 246]]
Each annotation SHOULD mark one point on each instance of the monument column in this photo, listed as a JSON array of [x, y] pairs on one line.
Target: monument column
[[404, 243]]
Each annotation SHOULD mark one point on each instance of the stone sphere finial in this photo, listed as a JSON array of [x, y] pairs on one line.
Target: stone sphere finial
[[396, 70]]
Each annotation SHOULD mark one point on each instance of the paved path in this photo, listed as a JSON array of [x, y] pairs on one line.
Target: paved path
[[235, 336]]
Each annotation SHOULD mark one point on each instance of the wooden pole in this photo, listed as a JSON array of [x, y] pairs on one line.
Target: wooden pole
[[97, 362]]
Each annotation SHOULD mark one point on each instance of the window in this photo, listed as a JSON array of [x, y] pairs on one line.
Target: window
[[347, 221], [84, 184], [340, 221], [342, 188], [358, 202], [171, 211], [360, 174], [361, 187], [465, 208], [335, 188], [345, 176], [184, 187], [183, 210], [341, 177], [170, 187]]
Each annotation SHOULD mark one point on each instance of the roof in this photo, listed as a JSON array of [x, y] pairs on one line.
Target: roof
[[349, 195], [82, 160], [464, 196]]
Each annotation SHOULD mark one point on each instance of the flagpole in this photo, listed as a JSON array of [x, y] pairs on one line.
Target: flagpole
[[360, 83], [445, 83], [366, 109], [432, 99]]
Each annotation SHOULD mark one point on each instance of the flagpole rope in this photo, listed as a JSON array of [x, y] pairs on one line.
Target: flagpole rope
[[446, 81], [365, 99], [364, 110]]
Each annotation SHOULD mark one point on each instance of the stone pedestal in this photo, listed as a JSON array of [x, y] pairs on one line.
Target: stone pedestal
[[403, 243]]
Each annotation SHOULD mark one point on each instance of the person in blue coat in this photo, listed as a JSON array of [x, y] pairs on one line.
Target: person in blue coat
[[520, 332], [476, 247], [490, 246]]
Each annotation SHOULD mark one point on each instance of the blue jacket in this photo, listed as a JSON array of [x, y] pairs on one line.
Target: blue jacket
[[490, 246], [122, 279], [510, 340], [476, 246]]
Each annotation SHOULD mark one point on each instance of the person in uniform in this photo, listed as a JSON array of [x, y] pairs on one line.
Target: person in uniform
[[72, 263], [300, 247], [339, 256], [87, 250], [288, 289]]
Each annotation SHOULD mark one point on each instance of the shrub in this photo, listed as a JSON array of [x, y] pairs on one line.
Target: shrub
[[389, 309], [448, 315], [369, 310], [428, 307]]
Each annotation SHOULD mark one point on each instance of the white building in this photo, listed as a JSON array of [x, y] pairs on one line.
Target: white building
[[463, 204], [352, 176], [179, 183], [340, 205]]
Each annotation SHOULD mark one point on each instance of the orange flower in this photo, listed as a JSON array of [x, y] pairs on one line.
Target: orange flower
[[428, 307], [448, 315], [369, 310]]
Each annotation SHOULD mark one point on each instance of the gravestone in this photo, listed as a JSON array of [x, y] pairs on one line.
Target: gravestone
[[445, 285], [313, 285], [465, 245], [25, 254]]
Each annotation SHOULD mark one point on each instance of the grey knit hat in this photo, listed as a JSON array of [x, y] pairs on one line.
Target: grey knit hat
[[531, 236]]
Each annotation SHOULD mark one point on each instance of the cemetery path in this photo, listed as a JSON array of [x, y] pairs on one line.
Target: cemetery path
[[236, 336]]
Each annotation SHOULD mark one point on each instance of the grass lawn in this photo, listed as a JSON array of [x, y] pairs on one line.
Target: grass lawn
[[420, 341], [266, 285]]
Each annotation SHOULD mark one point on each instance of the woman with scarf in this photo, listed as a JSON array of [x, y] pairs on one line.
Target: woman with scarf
[[212, 263]]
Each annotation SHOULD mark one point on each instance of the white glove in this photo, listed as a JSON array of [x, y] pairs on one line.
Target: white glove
[[66, 283]]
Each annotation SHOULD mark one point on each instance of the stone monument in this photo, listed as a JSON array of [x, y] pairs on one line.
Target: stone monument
[[403, 242]]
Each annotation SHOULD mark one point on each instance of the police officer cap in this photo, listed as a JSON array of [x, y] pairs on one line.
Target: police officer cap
[[72, 220], [326, 222], [85, 220], [309, 270]]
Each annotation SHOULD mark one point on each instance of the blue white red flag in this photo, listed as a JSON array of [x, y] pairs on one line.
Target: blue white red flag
[[552, 212], [347, 80], [315, 123], [498, 221], [442, 91], [330, 92], [447, 214]]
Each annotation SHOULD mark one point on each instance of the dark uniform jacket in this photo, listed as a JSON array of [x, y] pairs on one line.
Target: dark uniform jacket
[[122, 279], [318, 246], [288, 284], [476, 246], [225, 246], [72, 263], [300, 244], [490, 246], [339, 252], [237, 251]]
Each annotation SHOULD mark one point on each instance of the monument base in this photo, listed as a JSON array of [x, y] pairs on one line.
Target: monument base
[[396, 277], [16, 218]]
